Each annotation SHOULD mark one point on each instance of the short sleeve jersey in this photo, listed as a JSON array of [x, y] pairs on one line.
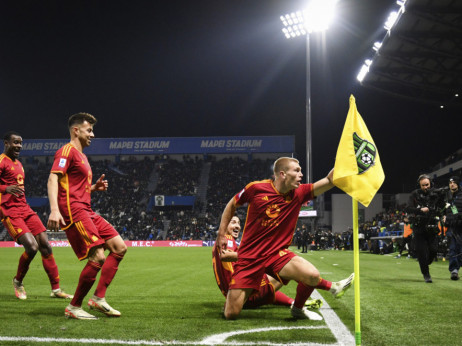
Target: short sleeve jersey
[[74, 187], [271, 217], [12, 173], [223, 270]]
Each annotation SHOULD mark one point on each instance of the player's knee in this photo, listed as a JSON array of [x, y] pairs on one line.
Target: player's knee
[[312, 277], [231, 313], [45, 250], [31, 249], [123, 250]]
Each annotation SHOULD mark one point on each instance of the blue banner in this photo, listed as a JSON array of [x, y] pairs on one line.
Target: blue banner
[[167, 145]]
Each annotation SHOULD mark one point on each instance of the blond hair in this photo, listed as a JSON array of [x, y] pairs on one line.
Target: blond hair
[[282, 164]]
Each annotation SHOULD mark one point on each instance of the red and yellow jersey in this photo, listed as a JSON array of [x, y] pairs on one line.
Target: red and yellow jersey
[[75, 178], [11, 173], [271, 217], [223, 270]]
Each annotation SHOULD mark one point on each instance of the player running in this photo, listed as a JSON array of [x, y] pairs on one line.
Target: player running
[[22, 223], [69, 191]]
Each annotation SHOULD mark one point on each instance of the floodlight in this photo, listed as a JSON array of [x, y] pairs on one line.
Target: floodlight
[[319, 15], [377, 46], [391, 20], [316, 17], [364, 70]]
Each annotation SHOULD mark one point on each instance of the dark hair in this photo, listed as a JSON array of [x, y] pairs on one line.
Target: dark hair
[[455, 179], [422, 177], [79, 118], [7, 135]]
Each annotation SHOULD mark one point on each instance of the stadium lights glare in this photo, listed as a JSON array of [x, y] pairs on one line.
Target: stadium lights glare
[[364, 70], [391, 20], [377, 46], [317, 17]]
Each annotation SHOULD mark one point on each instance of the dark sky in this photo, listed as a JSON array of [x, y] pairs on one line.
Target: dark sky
[[208, 68]]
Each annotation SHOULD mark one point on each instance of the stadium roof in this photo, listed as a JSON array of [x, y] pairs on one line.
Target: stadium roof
[[421, 55]]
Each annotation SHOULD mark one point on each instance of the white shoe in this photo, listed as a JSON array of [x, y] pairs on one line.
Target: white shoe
[[19, 290], [78, 313], [100, 304], [305, 314], [338, 288], [59, 293]]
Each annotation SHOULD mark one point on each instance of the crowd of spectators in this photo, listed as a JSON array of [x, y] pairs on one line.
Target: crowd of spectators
[[126, 201]]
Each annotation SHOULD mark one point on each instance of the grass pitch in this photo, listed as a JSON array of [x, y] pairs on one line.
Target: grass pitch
[[169, 295]]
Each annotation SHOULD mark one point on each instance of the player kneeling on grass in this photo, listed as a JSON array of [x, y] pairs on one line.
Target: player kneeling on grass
[[272, 213], [269, 288], [69, 190]]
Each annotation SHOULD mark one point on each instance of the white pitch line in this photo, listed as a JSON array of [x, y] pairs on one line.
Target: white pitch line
[[340, 331], [219, 339], [333, 322]]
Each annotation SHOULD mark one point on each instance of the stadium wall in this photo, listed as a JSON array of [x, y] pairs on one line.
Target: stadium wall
[[129, 243], [342, 211]]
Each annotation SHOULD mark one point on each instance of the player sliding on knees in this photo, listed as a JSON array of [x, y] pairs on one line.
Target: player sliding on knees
[[272, 213], [268, 292]]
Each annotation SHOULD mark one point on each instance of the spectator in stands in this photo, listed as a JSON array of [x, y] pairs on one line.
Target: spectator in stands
[[454, 223], [423, 225], [22, 223], [305, 239]]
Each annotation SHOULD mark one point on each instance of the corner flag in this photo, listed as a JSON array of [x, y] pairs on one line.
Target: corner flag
[[357, 170]]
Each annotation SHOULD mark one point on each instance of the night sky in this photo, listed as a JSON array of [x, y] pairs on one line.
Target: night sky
[[209, 68]]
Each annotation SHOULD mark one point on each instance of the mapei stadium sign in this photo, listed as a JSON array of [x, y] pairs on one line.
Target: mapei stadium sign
[[167, 145]]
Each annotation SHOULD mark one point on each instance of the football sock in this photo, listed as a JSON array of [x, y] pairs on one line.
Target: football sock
[[51, 269], [281, 299], [110, 267], [324, 284], [303, 293], [23, 266], [86, 280]]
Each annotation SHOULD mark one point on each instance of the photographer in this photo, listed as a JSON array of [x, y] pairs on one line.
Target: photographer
[[424, 209], [454, 223]]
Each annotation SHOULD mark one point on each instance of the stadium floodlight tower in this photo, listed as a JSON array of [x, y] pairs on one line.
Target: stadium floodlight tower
[[315, 18]]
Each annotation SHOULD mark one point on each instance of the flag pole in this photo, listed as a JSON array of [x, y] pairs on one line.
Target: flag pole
[[356, 269]]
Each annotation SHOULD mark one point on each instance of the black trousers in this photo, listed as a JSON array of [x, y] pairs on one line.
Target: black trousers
[[426, 248]]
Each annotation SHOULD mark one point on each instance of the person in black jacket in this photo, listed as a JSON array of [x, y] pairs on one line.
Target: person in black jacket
[[422, 214], [454, 223]]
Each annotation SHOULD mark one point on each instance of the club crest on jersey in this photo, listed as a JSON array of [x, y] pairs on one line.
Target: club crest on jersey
[[365, 153], [273, 211], [230, 243], [62, 162]]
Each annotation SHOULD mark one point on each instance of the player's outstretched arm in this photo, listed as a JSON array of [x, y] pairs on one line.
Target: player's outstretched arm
[[100, 185], [324, 184], [55, 220], [228, 213]]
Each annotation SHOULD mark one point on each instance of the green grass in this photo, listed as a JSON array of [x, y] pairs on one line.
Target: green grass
[[169, 294]]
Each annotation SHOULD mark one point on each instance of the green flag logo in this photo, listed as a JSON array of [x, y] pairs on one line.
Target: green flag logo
[[365, 153]]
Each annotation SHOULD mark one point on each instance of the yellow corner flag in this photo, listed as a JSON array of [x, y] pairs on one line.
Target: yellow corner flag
[[357, 170]]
